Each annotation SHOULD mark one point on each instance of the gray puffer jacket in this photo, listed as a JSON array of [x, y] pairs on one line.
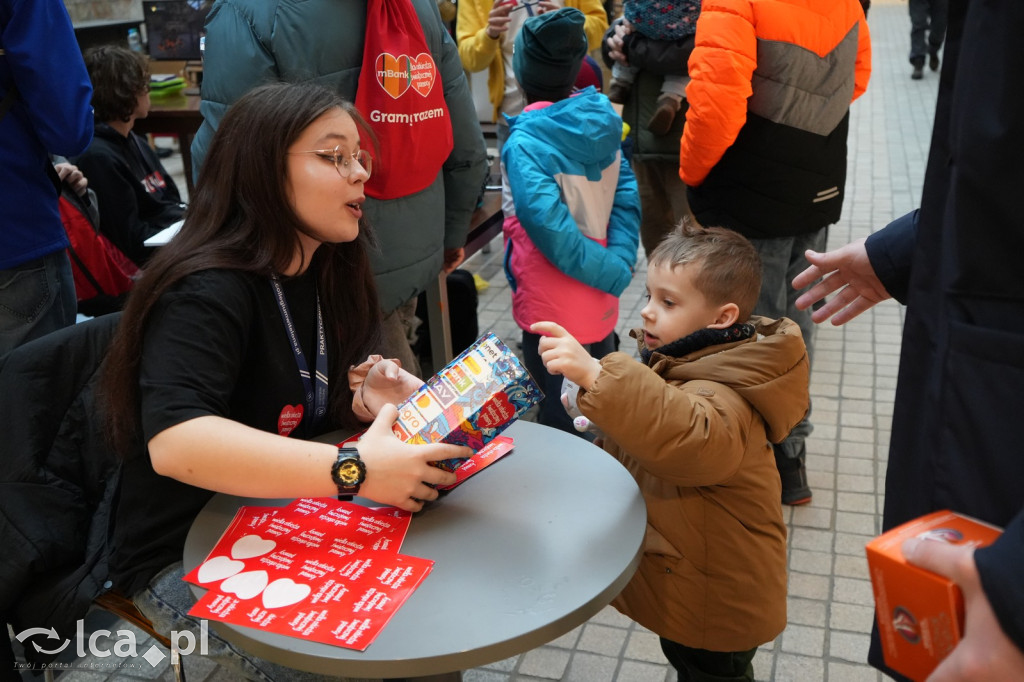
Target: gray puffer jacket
[[251, 42]]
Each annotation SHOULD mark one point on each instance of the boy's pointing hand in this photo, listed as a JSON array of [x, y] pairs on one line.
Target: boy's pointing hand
[[562, 354]]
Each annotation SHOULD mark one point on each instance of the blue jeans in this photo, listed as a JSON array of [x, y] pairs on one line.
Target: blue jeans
[[166, 601], [782, 259], [36, 298], [552, 412]]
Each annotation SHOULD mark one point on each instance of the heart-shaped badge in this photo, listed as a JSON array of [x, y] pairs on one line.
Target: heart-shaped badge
[[218, 568], [495, 412], [245, 585], [289, 418], [393, 73], [424, 72], [249, 546], [284, 592]]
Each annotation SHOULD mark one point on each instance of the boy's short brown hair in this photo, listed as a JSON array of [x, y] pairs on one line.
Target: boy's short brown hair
[[728, 266]]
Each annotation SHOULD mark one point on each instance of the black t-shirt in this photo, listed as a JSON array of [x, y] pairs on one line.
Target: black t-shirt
[[215, 345]]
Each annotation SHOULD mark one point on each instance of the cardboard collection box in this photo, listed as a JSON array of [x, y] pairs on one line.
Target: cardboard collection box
[[469, 402], [920, 613]]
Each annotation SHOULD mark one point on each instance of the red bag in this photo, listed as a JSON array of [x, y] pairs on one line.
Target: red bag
[[99, 267], [401, 95]]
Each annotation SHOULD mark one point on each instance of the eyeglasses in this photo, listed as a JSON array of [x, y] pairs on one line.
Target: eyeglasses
[[345, 163]]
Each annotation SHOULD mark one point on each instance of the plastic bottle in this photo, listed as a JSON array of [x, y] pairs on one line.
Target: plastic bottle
[[134, 40]]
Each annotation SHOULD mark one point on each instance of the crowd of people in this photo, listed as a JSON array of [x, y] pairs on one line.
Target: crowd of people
[[293, 281]]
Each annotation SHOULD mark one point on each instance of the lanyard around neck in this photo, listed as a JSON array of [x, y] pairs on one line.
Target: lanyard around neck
[[316, 400]]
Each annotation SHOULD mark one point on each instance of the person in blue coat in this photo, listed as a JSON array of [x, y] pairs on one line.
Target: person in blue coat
[[956, 264], [45, 99]]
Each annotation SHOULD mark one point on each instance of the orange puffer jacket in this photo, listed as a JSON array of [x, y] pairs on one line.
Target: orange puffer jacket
[[772, 82]]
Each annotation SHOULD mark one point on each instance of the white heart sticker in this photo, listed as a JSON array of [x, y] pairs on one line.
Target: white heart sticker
[[218, 568], [245, 585], [284, 592], [250, 546]]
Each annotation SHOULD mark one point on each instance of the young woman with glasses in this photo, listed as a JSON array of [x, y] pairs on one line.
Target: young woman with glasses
[[236, 346]]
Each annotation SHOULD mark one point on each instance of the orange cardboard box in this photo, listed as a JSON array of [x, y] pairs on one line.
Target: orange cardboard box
[[920, 613]]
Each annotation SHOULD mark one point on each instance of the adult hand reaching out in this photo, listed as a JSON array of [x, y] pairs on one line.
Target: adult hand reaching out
[[562, 354], [846, 270], [985, 652]]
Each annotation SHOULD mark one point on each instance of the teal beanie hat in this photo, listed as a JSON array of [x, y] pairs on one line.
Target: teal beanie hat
[[547, 53]]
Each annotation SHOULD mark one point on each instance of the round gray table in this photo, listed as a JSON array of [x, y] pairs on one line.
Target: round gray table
[[525, 551]]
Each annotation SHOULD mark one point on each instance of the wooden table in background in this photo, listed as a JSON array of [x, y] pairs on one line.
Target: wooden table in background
[[174, 115]]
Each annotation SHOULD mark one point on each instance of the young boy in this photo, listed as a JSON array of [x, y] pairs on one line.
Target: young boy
[[694, 422], [572, 211]]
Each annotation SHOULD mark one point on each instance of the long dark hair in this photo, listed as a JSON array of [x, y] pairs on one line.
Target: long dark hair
[[240, 218]]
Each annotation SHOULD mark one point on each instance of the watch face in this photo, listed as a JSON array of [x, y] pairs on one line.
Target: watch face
[[349, 472]]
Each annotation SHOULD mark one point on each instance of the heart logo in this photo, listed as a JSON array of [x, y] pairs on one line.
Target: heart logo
[[289, 418], [250, 546], [424, 72], [218, 568], [284, 592], [245, 585], [495, 412], [393, 73]]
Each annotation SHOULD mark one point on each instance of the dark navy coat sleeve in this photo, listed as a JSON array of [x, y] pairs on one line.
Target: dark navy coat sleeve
[[1002, 579], [891, 251]]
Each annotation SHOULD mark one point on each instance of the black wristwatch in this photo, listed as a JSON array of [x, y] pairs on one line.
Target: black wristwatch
[[348, 471]]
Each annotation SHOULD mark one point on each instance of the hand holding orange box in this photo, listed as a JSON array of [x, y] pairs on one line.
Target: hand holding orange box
[[920, 613]]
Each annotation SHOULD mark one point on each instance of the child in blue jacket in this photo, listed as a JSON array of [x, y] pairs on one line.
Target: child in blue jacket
[[572, 211]]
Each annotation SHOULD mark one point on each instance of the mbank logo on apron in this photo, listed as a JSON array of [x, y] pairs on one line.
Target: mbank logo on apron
[[414, 128]]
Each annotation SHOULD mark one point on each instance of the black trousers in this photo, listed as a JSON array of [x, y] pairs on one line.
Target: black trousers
[[701, 665]]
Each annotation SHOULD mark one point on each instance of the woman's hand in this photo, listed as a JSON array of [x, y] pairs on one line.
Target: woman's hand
[[377, 382], [562, 354], [397, 473], [387, 383]]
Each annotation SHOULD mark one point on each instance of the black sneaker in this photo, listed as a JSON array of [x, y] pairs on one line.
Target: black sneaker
[[795, 490], [918, 73], [933, 61]]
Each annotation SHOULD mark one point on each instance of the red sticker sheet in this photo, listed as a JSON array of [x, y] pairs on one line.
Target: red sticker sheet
[[318, 569]]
